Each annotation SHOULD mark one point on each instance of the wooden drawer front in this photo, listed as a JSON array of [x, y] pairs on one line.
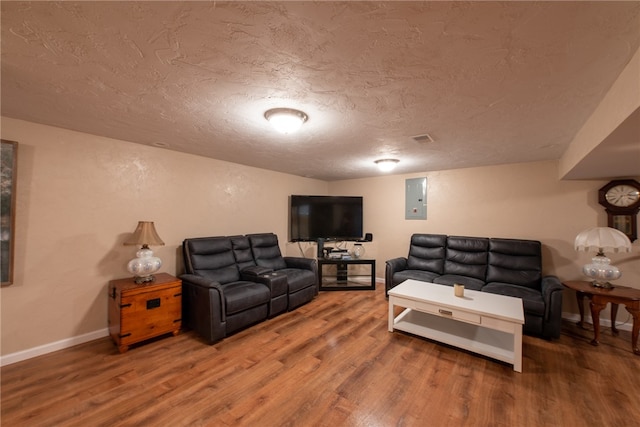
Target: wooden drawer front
[[149, 314], [451, 313]]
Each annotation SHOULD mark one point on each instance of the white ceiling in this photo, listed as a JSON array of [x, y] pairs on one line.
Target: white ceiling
[[491, 82]]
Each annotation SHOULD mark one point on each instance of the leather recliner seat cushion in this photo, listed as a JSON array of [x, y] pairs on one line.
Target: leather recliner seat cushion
[[297, 278], [242, 295]]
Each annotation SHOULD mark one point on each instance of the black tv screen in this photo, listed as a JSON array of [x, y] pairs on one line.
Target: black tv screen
[[325, 217]]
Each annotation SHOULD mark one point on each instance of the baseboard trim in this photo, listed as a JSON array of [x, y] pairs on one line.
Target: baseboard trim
[[626, 326], [51, 347]]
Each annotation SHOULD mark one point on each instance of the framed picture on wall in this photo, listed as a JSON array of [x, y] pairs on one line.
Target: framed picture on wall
[[9, 158]]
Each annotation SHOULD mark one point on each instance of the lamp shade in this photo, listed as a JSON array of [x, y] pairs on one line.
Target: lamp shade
[[145, 234], [602, 239]]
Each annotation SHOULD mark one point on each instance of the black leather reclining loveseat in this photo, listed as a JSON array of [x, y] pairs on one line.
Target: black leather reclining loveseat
[[234, 282], [502, 266]]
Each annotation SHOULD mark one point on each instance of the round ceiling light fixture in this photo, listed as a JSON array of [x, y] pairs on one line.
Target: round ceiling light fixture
[[286, 120], [386, 165]]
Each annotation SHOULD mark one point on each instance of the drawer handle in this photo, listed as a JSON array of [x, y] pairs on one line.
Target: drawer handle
[[445, 312]]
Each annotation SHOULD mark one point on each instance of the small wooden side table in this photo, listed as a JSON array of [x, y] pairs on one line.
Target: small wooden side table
[[599, 297], [138, 312]]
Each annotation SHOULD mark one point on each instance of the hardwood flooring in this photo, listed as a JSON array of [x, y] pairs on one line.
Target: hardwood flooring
[[332, 363]]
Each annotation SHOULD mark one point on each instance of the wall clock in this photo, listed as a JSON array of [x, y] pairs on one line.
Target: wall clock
[[621, 201]]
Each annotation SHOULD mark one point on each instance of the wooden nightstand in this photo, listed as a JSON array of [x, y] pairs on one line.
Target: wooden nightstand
[[138, 312]]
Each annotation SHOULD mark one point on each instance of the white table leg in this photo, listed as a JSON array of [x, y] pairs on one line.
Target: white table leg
[[391, 318], [517, 348]]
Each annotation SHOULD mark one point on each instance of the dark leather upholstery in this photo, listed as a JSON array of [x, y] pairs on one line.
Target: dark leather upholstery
[[509, 267], [242, 252], [427, 252], [216, 301], [226, 288], [301, 273], [465, 262], [515, 269], [425, 261], [249, 270]]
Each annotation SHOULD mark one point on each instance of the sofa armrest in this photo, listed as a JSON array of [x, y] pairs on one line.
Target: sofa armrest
[[552, 291], [549, 287], [196, 280], [302, 263], [305, 264], [203, 308], [392, 266]]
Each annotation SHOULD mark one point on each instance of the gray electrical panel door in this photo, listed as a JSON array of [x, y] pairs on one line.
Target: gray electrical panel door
[[415, 198]]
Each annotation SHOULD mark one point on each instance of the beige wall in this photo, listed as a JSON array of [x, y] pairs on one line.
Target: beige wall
[[80, 196], [512, 201]]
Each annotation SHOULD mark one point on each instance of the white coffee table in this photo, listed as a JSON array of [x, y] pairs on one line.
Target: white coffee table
[[479, 322]]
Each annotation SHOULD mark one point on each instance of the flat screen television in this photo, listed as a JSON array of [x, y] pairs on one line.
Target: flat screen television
[[325, 217]]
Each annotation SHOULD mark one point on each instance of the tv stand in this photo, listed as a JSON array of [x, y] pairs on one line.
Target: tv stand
[[346, 275]]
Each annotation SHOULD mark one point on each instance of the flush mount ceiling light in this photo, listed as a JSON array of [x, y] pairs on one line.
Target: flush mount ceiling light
[[386, 165], [285, 120]]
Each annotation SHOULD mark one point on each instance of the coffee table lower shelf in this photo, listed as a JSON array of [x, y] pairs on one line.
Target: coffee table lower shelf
[[492, 343]]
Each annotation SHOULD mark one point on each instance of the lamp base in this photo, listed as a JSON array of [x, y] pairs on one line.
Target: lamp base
[[144, 279], [144, 265], [601, 271], [603, 285]]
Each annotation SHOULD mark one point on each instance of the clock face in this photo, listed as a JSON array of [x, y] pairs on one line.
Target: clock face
[[622, 195]]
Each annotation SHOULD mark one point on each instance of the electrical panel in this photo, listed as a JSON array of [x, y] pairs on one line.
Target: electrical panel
[[416, 198]]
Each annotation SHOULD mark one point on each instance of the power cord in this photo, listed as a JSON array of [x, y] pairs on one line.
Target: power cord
[[301, 250], [625, 322]]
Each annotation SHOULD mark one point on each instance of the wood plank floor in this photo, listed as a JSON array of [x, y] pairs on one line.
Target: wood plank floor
[[332, 363]]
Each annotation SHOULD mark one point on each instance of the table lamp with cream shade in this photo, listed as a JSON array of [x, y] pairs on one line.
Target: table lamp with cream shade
[[602, 240], [145, 264]]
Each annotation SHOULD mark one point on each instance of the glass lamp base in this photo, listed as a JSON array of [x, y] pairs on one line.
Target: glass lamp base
[[144, 265], [601, 271]]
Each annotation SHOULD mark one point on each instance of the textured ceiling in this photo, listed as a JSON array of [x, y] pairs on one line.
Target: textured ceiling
[[491, 82]]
